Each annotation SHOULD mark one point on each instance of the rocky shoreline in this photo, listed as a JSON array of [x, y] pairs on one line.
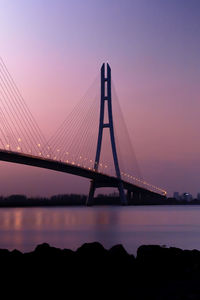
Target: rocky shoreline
[[155, 273]]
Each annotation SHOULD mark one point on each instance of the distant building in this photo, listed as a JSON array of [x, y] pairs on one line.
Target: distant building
[[176, 195], [198, 196], [186, 197]]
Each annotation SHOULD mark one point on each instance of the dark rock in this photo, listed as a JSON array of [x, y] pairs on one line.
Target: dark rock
[[120, 252], [16, 253], [4, 253], [91, 249], [92, 257], [42, 248], [156, 273], [120, 258]]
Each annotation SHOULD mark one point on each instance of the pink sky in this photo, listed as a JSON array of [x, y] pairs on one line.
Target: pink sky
[[54, 50]]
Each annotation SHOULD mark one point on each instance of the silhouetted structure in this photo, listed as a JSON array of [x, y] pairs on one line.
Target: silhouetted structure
[[106, 98]]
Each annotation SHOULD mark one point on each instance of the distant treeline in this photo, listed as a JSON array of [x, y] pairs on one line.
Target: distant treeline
[[22, 200], [76, 199]]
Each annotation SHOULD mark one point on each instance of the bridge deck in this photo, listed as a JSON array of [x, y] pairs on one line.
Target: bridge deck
[[103, 180]]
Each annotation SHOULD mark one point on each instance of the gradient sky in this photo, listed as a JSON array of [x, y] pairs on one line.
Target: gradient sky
[[54, 50]]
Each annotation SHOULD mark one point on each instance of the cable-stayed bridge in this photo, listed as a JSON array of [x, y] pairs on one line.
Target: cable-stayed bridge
[[92, 142]]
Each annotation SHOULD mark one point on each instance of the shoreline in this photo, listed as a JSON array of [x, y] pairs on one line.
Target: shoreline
[[156, 272], [80, 200], [31, 205]]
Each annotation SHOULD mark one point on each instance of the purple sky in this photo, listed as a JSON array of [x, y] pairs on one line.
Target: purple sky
[[54, 50]]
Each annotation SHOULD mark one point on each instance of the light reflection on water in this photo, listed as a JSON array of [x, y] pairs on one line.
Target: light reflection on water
[[70, 227]]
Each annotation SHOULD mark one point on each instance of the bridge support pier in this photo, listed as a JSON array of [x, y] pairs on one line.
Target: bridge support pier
[[122, 195], [128, 196], [90, 199], [137, 196], [94, 185]]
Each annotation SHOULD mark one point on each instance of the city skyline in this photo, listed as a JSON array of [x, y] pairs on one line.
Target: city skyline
[[154, 54]]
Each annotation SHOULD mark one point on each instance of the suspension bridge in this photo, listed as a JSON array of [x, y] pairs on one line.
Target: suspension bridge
[[92, 142]]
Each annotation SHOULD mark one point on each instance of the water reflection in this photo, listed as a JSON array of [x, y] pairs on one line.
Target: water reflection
[[57, 218], [106, 227], [69, 227]]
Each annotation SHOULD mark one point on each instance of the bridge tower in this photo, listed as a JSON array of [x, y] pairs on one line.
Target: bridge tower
[[106, 99]]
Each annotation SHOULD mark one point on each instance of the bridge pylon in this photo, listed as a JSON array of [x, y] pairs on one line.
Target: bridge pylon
[[106, 99]]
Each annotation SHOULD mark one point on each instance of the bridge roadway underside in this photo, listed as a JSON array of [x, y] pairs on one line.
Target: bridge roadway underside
[[102, 180]]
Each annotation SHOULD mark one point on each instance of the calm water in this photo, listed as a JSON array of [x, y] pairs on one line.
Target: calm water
[[70, 227]]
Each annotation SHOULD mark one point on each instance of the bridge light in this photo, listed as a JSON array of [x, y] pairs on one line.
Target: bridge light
[[7, 146], [80, 157], [19, 140], [18, 148], [40, 153], [58, 150], [38, 145], [48, 155]]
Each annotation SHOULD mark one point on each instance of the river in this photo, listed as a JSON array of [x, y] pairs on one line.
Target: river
[[70, 227]]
